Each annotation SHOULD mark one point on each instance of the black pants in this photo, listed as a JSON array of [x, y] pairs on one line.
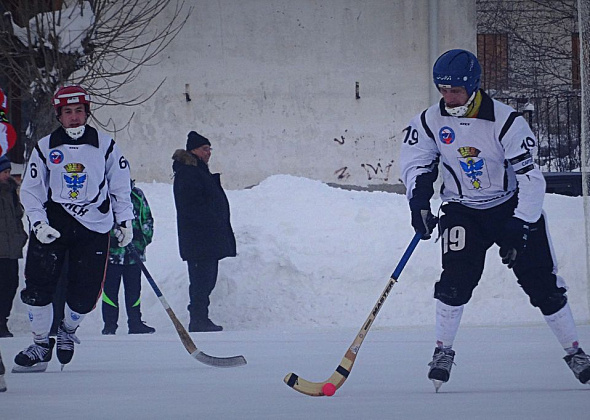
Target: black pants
[[8, 287], [131, 275], [59, 298], [87, 259], [203, 277], [466, 236]]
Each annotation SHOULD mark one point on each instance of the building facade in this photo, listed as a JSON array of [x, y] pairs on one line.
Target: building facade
[[318, 89]]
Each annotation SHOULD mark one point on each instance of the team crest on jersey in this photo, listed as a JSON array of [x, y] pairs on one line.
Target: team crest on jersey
[[474, 168], [446, 135], [56, 156], [74, 180]]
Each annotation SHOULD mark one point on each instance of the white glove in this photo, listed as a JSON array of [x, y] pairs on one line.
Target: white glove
[[45, 233], [124, 233]]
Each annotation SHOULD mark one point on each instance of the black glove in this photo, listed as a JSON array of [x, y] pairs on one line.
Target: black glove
[[516, 234], [424, 222]]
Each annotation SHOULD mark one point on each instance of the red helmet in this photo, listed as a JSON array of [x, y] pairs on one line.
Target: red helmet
[[69, 95], [3, 101]]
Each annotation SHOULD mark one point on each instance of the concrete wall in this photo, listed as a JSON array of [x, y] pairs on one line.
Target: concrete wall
[[273, 86]]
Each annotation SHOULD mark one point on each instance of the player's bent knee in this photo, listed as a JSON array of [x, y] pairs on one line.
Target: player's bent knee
[[81, 307], [35, 298], [551, 303], [451, 296]]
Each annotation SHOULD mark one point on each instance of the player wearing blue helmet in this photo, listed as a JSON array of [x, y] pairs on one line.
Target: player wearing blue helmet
[[457, 69], [492, 194]]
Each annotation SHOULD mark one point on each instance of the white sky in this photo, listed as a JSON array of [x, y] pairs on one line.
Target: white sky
[[312, 262]]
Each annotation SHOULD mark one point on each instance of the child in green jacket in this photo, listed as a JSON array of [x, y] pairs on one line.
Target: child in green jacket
[[123, 264]]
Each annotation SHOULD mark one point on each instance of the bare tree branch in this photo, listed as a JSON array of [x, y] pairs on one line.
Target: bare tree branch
[[100, 44]]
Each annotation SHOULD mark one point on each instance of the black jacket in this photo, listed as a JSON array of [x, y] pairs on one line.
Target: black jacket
[[202, 210], [12, 233]]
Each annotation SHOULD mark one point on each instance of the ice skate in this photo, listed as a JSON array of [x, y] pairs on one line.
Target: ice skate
[[65, 344], [579, 363], [440, 367], [35, 358]]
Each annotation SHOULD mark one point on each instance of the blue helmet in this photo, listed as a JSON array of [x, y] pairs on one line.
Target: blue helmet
[[457, 68]]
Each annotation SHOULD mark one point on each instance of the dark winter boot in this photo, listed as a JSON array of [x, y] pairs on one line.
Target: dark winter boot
[[204, 326], [65, 344], [4, 333], [2, 372], [134, 322], [109, 329], [110, 317], [37, 355], [579, 363], [140, 328]]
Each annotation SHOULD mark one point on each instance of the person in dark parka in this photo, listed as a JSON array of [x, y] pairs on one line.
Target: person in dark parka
[[205, 235], [12, 240]]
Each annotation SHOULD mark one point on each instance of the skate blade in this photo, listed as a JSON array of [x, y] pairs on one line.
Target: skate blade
[[437, 384], [39, 367]]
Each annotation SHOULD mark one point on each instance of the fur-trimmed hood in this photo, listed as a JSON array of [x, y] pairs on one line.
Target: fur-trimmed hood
[[202, 210], [185, 157]]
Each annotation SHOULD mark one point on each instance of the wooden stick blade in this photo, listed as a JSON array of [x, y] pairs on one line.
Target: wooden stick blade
[[316, 389], [221, 362]]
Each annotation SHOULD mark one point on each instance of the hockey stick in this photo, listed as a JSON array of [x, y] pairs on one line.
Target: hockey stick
[[316, 389], [188, 343]]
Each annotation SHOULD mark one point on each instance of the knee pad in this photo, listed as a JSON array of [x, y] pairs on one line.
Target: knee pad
[[451, 295], [551, 303], [80, 307], [456, 285], [35, 298]]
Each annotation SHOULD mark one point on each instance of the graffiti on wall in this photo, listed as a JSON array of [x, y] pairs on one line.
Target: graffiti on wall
[[373, 171], [377, 171], [342, 173]]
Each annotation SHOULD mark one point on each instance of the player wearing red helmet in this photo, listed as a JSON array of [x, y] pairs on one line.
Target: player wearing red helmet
[[76, 186], [72, 109]]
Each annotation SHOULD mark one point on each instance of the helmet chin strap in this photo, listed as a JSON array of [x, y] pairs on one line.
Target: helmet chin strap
[[460, 111], [76, 132]]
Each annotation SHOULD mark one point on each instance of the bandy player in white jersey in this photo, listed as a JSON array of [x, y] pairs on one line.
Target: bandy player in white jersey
[[492, 193], [75, 189]]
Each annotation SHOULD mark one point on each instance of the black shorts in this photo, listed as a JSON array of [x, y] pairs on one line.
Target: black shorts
[[87, 260], [467, 234]]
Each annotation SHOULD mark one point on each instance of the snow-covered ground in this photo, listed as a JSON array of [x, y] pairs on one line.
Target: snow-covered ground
[[312, 262]]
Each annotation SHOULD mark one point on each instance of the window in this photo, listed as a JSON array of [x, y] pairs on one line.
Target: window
[[492, 53]]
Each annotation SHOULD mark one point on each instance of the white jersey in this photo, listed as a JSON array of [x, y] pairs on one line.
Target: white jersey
[[484, 160], [89, 178]]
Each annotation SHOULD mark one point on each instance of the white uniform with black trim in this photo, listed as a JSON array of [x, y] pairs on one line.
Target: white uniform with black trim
[[484, 159], [89, 178]]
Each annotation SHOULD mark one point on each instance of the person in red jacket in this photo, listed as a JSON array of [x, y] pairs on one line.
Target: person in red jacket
[[7, 132]]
